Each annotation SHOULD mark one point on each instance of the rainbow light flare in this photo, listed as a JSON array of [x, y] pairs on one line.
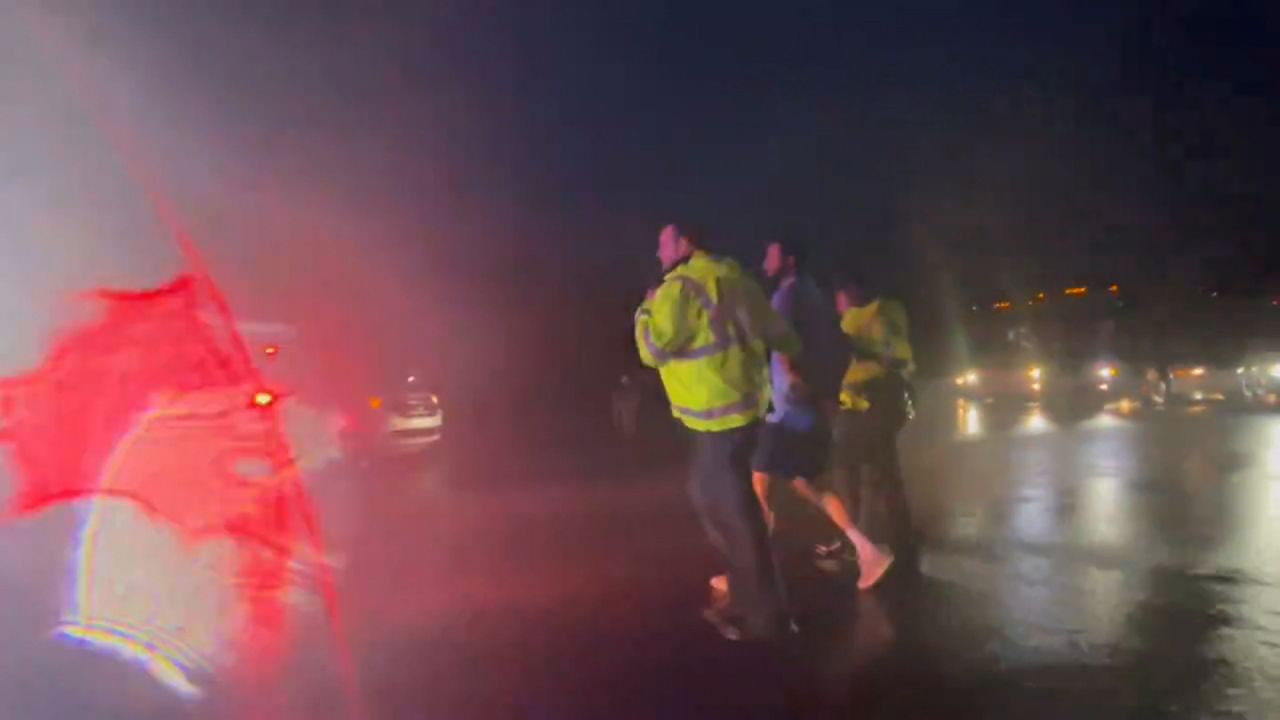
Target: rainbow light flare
[[123, 563]]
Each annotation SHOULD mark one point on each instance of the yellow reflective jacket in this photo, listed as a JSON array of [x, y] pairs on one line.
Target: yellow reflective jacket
[[878, 334], [708, 330]]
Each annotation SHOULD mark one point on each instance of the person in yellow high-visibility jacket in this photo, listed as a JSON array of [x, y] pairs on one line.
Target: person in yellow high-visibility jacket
[[708, 329], [874, 406]]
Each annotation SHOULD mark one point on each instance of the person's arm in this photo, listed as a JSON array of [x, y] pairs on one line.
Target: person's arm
[[853, 320], [860, 335], [758, 318], [662, 324]]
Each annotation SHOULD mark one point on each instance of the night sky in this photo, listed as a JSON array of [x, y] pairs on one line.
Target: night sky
[[502, 154]]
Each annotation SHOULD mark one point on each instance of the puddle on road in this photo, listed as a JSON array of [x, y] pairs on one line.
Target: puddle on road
[[1188, 642]]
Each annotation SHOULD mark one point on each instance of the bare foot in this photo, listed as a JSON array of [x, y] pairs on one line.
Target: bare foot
[[872, 568], [720, 585]]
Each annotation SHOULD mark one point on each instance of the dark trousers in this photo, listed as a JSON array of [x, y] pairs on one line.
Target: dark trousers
[[720, 486], [866, 466]]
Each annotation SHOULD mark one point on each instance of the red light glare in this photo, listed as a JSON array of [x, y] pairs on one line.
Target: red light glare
[[264, 398], [271, 350]]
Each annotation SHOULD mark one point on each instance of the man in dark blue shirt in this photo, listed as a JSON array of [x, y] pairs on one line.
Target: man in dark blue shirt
[[795, 438]]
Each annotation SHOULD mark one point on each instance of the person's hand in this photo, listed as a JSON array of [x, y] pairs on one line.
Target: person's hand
[[798, 390]]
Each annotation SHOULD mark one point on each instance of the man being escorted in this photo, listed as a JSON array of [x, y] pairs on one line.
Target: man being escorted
[[795, 438], [708, 330], [874, 406]]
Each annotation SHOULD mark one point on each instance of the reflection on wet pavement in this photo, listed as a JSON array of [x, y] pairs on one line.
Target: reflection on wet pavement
[[1104, 565], [1143, 544]]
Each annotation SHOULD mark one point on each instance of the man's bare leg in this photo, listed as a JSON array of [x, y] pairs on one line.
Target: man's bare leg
[[760, 483], [873, 561]]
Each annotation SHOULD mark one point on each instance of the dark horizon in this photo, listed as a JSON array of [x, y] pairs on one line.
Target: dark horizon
[[499, 176]]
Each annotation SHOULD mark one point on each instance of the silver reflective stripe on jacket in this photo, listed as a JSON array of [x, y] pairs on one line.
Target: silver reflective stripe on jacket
[[722, 337], [747, 404]]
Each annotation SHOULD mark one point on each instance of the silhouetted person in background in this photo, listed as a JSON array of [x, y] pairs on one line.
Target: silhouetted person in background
[[626, 407]]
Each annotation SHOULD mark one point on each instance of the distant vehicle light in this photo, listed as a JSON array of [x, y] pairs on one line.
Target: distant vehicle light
[[1082, 290], [1035, 387], [1104, 387], [264, 398], [1002, 305], [1239, 371], [1107, 372], [1274, 371], [434, 400], [1197, 371], [1035, 373], [971, 377], [375, 402], [1114, 288], [413, 378], [271, 350]]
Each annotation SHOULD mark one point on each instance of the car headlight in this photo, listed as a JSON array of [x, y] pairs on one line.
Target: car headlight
[[1274, 371], [1239, 371], [1035, 373], [1107, 372], [971, 377], [1197, 371]]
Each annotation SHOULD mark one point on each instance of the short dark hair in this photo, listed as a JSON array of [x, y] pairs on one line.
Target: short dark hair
[[688, 231], [794, 249], [864, 289], [694, 234]]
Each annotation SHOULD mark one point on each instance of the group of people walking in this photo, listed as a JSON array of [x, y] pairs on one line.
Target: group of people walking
[[795, 391]]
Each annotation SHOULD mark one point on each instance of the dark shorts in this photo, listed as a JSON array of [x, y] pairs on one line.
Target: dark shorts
[[787, 453]]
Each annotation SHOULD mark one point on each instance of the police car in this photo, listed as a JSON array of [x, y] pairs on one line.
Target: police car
[[405, 418], [402, 415]]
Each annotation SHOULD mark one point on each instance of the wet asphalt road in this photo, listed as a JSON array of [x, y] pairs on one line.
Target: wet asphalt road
[[1105, 565]]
